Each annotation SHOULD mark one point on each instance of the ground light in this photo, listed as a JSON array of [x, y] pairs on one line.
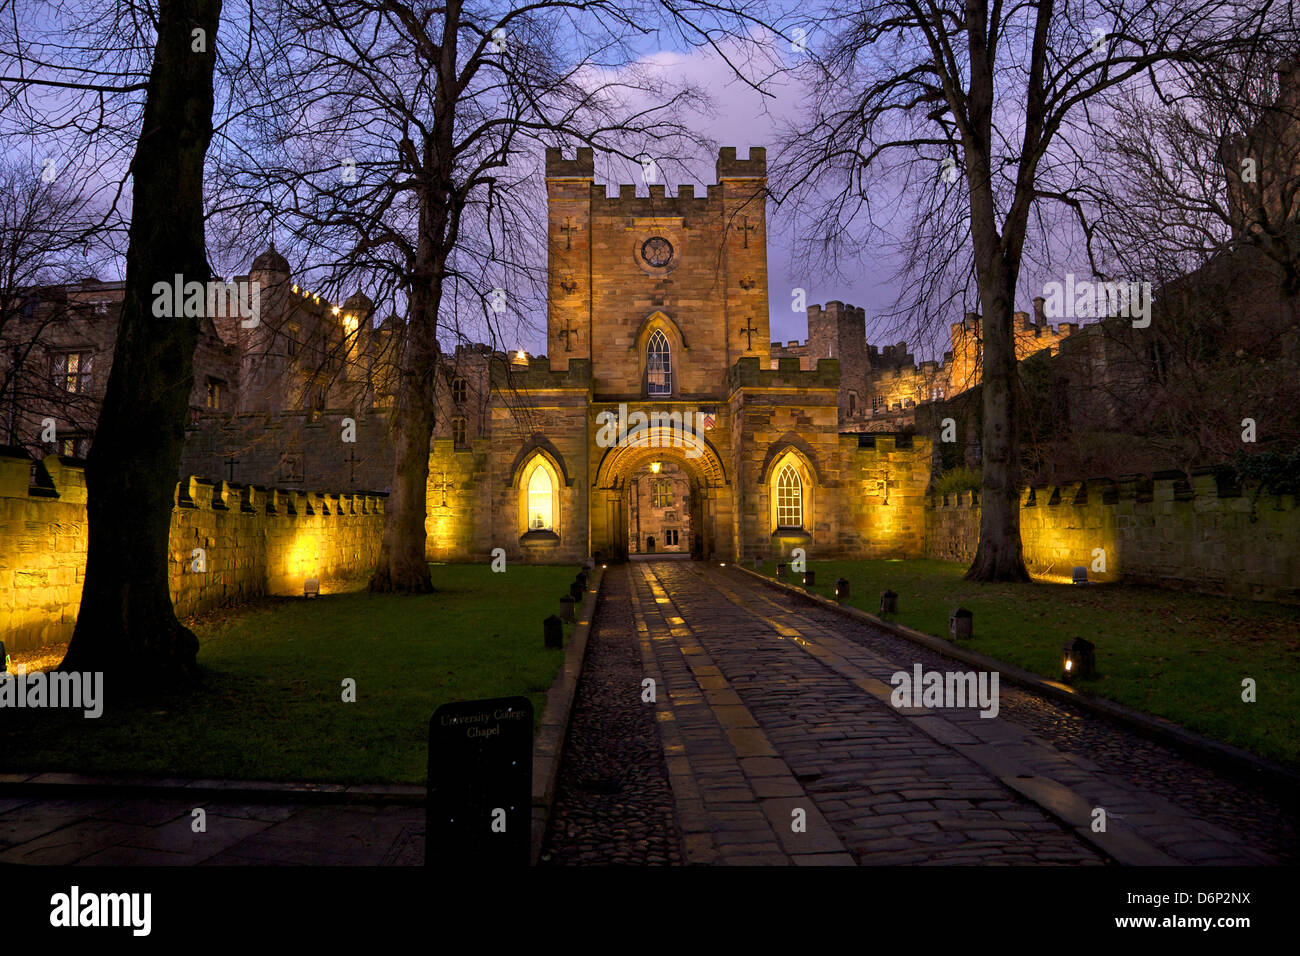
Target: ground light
[[311, 588], [1080, 659], [961, 624]]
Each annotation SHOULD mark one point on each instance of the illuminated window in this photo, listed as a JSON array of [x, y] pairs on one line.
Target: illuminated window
[[72, 371], [215, 389], [459, 390], [659, 365], [789, 499], [661, 493], [458, 431], [540, 509]]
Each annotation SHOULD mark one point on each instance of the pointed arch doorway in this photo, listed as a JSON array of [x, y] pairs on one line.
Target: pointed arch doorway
[[696, 505]]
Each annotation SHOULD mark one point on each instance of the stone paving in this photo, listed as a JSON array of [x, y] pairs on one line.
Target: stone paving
[[157, 831], [765, 710], [772, 741], [613, 802]]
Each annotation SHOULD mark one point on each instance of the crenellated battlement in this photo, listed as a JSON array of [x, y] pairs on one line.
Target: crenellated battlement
[[747, 373], [1159, 529], [229, 543]]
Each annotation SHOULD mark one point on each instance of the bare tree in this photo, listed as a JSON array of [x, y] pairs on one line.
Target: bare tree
[[45, 224], [402, 149], [126, 625], [983, 115]]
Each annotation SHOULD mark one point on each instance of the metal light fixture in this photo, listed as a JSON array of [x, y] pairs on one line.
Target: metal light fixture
[[961, 624], [1080, 659], [655, 466]]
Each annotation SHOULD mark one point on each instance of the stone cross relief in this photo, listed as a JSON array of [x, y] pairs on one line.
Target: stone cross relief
[[746, 229], [442, 485], [568, 333], [748, 331], [568, 228]]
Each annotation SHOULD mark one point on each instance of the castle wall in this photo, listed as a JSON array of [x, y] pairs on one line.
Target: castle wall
[[884, 496], [256, 542], [1169, 534]]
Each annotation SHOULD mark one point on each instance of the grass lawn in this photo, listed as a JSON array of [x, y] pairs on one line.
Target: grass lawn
[[270, 705], [1178, 655]]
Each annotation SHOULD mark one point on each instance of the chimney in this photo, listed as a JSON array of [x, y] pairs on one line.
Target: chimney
[[1040, 312], [1288, 83]]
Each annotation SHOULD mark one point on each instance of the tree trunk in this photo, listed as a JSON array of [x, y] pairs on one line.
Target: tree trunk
[[1000, 556], [127, 627], [402, 566]]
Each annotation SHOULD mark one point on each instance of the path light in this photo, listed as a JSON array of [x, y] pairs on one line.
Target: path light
[[961, 624], [809, 578], [582, 579], [1080, 659], [553, 632], [888, 602], [311, 588], [566, 608], [780, 571], [841, 589], [576, 589], [655, 466], [1080, 576]]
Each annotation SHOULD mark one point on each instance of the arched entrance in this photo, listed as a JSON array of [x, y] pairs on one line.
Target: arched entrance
[[703, 519]]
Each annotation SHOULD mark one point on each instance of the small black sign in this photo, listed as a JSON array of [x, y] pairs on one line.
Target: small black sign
[[479, 810]]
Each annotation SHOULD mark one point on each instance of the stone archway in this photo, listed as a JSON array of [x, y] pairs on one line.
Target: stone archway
[[711, 493]]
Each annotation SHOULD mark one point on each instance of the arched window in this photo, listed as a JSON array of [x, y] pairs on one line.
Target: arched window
[[540, 501], [659, 365], [789, 498]]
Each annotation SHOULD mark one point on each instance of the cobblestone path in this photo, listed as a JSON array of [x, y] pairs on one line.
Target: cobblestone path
[[613, 803], [771, 714]]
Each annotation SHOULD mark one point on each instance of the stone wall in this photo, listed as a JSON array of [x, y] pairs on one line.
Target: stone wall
[[1164, 531], [255, 542], [884, 495]]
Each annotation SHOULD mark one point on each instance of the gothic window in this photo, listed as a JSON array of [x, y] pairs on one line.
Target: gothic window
[[291, 341], [662, 493], [540, 510], [458, 429], [789, 498], [659, 368], [459, 390], [853, 402], [72, 371], [214, 392], [876, 402]]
